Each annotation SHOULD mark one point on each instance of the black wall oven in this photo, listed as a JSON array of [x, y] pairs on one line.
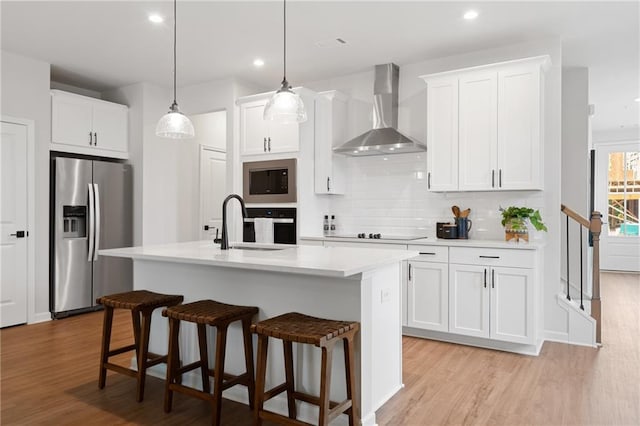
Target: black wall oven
[[272, 181], [284, 224]]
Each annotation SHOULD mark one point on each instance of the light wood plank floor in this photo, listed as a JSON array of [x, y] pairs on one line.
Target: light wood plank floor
[[49, 376]]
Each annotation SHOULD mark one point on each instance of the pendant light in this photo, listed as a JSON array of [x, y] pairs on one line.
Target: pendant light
[[285, 106], [174, 124]]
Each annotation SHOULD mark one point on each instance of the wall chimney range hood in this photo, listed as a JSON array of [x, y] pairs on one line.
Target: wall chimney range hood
[[383, 139]]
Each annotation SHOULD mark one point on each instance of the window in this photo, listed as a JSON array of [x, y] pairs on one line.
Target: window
[[623, 193]]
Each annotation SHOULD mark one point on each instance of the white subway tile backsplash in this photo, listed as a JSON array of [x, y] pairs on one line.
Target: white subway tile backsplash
[[391, 197]]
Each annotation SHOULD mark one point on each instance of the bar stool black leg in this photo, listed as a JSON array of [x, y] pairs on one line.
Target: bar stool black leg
[[106, 341], [204, 357], [261, 375], [288, 369], [248, 357], [325, 384], [221, 344], [172, 363]]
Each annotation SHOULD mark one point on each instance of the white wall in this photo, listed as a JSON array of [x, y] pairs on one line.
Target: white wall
[[391, 197], [25, 94], [575, 167]]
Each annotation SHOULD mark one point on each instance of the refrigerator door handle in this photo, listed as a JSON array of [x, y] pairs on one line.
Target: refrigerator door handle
[[98, 220], [91, 223]]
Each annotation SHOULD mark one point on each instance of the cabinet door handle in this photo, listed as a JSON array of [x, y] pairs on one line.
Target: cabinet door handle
[[493, 278], [95, 138], [493, 178], [328, 184], [264, 144], [489, 257], [500, 178], [429, 253], [409, 272], [485, 277], [269, 143], [429, 180], [90, 138]]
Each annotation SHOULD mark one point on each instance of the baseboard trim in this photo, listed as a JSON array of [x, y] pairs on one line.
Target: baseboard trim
[[556, 336], [41, 317], [523, 349]]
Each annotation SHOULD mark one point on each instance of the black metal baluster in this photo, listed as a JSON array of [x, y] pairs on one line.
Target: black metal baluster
[[581, 303], [568, 295]]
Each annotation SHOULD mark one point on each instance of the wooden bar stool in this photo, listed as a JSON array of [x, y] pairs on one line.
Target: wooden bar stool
[[141, 303], [219, 315], [299, 328]]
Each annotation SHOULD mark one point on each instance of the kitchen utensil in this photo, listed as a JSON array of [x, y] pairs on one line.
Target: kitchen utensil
[[465, 213], [464, 226], [456, 211]]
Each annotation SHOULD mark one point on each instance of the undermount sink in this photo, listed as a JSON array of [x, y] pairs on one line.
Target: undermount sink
[[255, 248]]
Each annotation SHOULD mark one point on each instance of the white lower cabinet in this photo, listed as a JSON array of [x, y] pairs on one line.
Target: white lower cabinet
[[492, 302], [512, 305], [469, 300], [428, 296]]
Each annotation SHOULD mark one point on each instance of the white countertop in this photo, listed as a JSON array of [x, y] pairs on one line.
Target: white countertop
[[309, 260], [533, 245]]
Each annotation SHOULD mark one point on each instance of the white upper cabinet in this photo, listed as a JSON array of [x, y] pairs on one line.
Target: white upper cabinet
[[442, 134], [258, 136], [484, 127], [478, 131], [330, 131], [519, 130], [84, 125]]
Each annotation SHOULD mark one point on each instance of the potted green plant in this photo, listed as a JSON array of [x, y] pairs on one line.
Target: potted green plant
[[514, 220]]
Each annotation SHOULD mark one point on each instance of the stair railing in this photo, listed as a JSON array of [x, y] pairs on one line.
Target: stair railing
[[594, 229]]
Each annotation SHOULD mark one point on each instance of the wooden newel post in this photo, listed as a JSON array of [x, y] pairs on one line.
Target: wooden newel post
[[595, 227]]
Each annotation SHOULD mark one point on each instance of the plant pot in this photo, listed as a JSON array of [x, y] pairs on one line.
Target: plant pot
[[516, 228]]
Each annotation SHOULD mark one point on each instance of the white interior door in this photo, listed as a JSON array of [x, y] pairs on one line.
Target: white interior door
[[617, 198], [213, 187], [13, 222]]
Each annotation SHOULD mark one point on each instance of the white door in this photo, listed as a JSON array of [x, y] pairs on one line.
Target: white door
[[213, 187], [13, 220], [442, 134], [478, 139], [512, 305], [469, 300], [253, 131], [617, 191], [428, 296], [519, 128]]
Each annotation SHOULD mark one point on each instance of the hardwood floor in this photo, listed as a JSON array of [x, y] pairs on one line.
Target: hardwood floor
[[49, 372]]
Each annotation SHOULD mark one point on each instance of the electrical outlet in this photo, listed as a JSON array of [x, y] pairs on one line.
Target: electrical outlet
[[385, 295]]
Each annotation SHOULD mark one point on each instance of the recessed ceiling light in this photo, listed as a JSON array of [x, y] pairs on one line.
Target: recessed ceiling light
[[156, 19], [637, 99], [258, 62], [470, 15]]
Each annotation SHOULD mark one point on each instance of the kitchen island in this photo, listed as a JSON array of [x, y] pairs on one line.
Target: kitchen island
[[329, 282]]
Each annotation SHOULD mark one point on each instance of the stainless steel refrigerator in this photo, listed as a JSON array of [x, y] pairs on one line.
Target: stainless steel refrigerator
[[91, 209]]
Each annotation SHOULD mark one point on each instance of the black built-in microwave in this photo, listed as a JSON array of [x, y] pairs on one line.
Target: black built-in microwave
[[272, 181]]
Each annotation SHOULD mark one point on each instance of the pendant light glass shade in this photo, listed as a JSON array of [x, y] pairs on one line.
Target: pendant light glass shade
[[174, 124], [285, 106]]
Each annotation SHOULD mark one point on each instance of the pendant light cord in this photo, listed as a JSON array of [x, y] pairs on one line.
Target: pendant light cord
[[175, 38], [284, 78]]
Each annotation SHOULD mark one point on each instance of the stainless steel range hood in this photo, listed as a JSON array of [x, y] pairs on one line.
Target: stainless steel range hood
[[383, 139]]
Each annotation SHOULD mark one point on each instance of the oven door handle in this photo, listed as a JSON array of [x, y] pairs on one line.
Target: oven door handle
[[278, 220]]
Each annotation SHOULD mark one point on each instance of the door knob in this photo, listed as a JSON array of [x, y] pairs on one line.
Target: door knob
[[18, 234]]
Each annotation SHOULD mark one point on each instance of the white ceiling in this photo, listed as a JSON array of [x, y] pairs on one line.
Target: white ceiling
[[101, 45]]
